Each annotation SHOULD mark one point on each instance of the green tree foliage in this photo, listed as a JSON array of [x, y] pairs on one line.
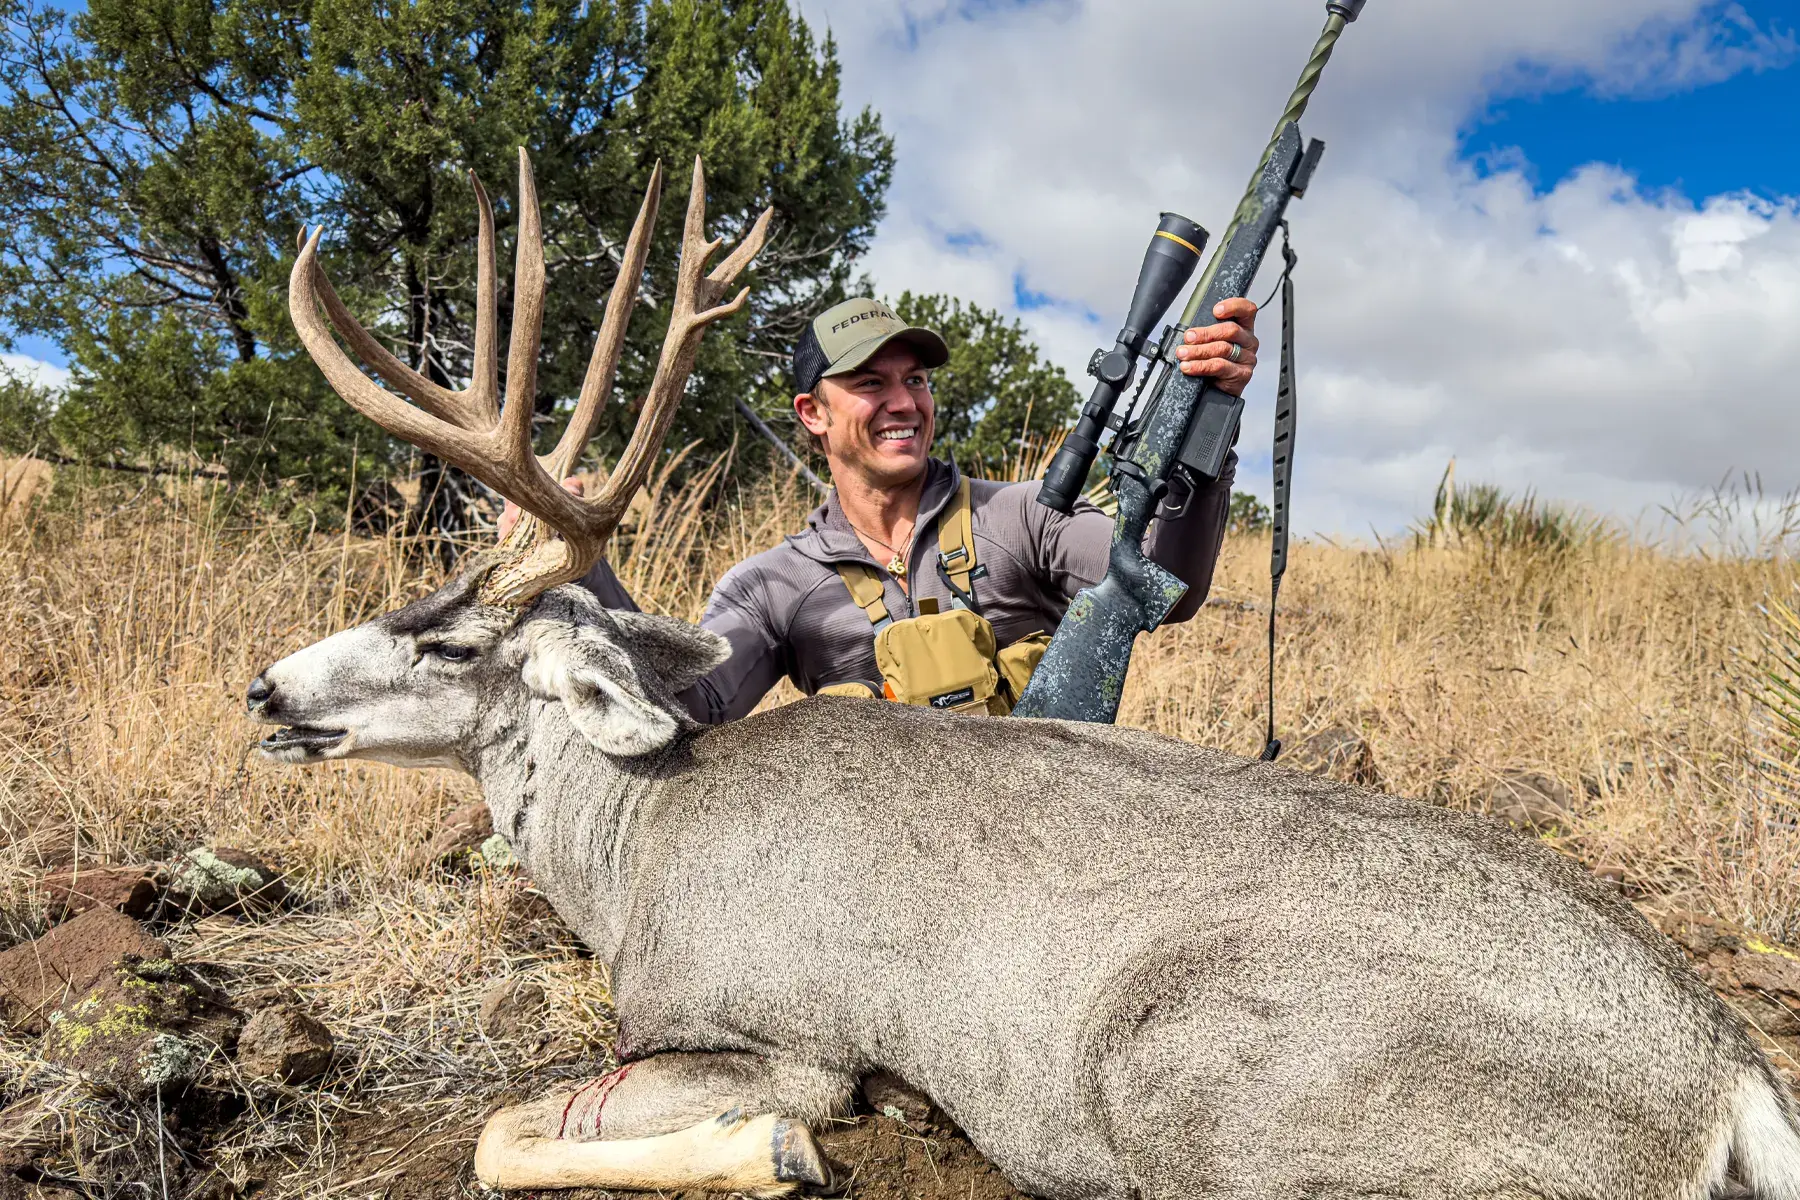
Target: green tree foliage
[[997, 396], [25, 412], [161, 155], [1247, 514]]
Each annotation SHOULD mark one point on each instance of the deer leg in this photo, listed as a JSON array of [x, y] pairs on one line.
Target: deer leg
[[719, 1122]]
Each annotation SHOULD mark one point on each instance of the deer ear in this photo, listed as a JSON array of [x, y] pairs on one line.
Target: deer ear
[[600, 688], [674, 653]]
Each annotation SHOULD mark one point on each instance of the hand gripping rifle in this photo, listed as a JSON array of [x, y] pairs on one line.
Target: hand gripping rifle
[[1186, 428]]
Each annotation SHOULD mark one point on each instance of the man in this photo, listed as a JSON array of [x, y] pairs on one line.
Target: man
[[864, 394]]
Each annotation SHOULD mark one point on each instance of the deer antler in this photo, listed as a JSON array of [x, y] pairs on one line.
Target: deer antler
[[562, 535]]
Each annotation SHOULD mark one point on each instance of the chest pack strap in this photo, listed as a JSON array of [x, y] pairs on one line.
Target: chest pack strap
[[956, 562], [866, 592]]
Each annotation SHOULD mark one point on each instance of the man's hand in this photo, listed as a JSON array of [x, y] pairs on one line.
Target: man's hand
[[510, 514], [1207, 350]]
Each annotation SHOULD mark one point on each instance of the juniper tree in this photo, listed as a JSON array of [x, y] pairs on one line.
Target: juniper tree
[[157, 158]]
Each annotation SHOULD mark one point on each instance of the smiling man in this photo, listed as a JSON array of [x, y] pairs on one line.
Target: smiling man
[[873, 552]]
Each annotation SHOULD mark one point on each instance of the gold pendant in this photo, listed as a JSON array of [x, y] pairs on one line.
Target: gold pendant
[[897, 567]]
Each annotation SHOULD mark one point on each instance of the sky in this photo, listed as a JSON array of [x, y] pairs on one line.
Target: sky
[[1556, 240]]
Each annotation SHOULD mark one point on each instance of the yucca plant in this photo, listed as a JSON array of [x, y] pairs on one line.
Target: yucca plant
[[1482, 514]]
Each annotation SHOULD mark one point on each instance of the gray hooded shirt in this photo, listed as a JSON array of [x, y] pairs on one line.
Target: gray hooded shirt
[[787, 612]]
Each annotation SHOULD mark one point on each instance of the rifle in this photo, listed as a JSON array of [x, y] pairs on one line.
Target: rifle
[[1186, 428]]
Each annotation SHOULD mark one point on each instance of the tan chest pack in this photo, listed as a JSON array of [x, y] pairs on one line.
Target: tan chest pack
[[944, 660]]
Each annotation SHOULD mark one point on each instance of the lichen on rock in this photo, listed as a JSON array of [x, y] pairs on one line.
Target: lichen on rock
[[498, 854], [220, 880], [138, 1027]]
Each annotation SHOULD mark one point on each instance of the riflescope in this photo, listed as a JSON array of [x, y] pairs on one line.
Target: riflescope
[[1168, 264]]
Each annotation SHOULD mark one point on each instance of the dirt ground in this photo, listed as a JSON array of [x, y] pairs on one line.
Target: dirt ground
[[397, 1148]]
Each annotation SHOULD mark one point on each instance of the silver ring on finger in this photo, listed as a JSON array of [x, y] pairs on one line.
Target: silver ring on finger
[[1237, 352]]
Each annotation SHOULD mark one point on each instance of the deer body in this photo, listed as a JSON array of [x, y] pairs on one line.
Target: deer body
[[1130, 968], [1123, 964]]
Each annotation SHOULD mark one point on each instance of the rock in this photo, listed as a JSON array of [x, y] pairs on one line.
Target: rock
[[133, 891], [66, 962], [1767, 968], [1618, 877], [462, 832], [143, 1024], [1768, 1016], [497, 853], [1699, 935], [1531, 800], [221, 879], [283, 1042], [1338, 752], [889, 1096], [512, 1008]]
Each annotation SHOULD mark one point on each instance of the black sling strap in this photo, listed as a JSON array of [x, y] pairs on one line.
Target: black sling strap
[[1285, 406]]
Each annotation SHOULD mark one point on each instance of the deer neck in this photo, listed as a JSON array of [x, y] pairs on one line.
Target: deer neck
[[567, 809]]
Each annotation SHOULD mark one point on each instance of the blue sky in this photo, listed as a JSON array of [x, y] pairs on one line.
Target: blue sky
[[1739, 133]]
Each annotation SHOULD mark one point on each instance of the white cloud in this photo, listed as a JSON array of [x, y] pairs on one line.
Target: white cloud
[[1667, 56], [37, 371], [1599, 343]]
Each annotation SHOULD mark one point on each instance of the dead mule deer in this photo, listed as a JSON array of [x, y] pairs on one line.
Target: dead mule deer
[[1126, 966]]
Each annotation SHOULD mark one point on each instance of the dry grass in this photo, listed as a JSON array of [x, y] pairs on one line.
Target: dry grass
[[132, 619]]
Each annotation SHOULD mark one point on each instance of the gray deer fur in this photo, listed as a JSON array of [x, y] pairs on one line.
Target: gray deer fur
[[1126, 966]]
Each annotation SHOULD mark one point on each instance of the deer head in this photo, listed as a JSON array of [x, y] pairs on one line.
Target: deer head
[[411, 687]]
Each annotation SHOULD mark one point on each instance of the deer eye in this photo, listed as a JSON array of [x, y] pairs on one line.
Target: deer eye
[[449, 651]]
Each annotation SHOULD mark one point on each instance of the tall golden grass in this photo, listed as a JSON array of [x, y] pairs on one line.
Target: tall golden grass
[[132, 617]]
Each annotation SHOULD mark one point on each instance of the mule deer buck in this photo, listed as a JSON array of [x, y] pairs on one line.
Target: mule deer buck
[[1124, 965]]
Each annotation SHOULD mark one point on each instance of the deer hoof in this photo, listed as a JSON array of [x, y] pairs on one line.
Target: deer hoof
[[797, 1157]]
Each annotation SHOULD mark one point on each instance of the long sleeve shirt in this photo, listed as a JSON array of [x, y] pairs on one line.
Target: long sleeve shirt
[[787, 612]]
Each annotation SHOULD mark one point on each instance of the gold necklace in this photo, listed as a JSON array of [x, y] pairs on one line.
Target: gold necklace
[[896, 566]]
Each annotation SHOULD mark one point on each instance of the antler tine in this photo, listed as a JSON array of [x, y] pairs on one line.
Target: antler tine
[[609, 343], [470, 429], [425, 426], [484, 375], [472, 408], [465, 428], [527, 320], [544, 564], [694, 309], [438, 401]]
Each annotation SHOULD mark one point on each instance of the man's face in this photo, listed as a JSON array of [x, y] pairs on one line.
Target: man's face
[[877, 420]]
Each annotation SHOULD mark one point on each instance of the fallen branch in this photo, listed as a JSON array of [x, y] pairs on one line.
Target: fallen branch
[[60, 460]]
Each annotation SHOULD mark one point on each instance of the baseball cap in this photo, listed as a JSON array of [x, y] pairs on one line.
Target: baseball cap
[[847, 335]]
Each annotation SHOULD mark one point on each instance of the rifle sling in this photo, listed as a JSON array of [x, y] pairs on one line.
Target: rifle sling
[[1283, 461]]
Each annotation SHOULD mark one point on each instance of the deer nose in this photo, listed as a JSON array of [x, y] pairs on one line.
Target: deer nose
[[258, 695]]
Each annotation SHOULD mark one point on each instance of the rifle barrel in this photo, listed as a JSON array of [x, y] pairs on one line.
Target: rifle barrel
[[1296, 107]]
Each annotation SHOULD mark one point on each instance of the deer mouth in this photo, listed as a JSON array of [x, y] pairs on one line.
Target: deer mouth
[[301, 738]]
